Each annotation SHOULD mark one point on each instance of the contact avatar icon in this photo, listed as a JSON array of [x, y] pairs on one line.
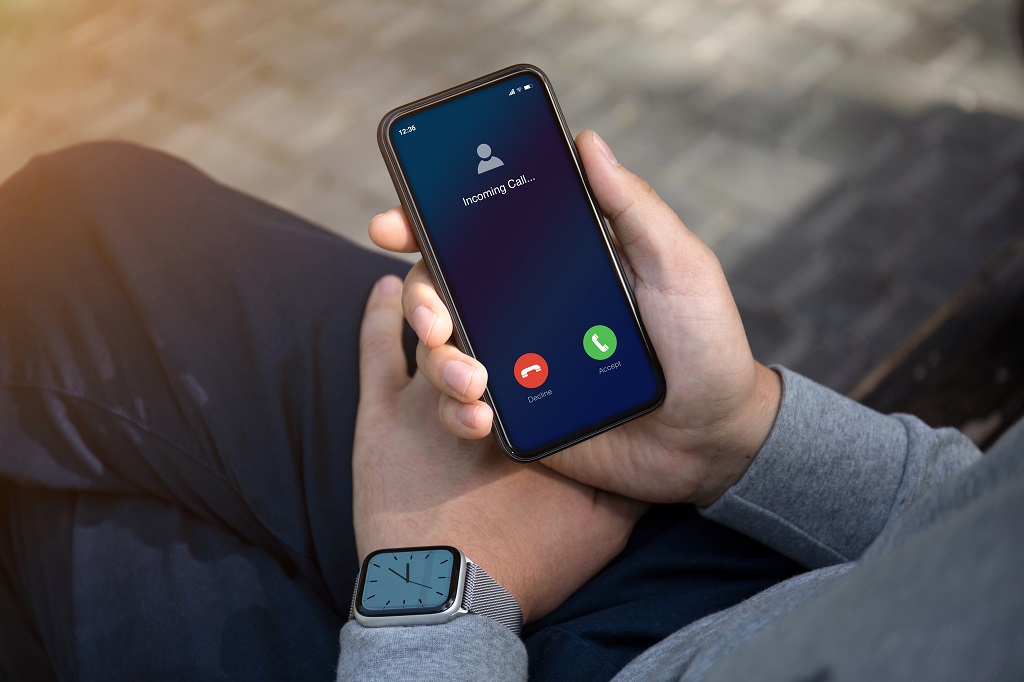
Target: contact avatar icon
[[487, 162]]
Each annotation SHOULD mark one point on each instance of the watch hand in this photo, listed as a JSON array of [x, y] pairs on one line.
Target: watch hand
[[398, 574], [407, 572], [413, 582]]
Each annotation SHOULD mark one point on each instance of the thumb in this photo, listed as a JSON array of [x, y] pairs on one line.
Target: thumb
[[382, 365], [647, 229]]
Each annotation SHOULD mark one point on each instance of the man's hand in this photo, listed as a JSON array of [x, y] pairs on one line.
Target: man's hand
[[539, 534], [720, 404]]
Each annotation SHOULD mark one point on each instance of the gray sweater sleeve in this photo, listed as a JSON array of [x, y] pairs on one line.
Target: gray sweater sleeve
[[467, 648], [829, 478], [833, 473]]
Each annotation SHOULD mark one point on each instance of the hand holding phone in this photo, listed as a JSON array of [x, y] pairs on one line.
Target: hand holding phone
[[516, 245], [720, 403]]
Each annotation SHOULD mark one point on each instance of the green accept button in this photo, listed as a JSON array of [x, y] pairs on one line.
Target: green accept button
[[599, 342]]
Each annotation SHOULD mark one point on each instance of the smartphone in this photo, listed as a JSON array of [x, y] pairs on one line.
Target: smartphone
[[492, 183]]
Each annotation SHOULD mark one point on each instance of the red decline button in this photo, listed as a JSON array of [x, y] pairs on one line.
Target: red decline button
[[531, 370]]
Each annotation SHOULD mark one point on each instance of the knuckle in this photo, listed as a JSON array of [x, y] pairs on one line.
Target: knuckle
[[424, 360], [437, 358], [415, 275], [446, 411]]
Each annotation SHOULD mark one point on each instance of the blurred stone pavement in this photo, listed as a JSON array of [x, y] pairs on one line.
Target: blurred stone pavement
[[852, 162]]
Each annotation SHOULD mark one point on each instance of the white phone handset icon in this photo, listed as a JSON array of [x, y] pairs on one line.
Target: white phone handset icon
[[603, 348], [527, 370]]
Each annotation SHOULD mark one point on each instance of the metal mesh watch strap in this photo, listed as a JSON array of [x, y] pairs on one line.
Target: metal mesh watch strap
[[484, 596]]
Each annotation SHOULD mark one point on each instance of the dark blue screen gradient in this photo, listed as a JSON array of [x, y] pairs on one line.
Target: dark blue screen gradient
[[527, 269]]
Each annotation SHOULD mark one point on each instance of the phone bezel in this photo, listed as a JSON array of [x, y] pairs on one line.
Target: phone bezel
[[437, 273]]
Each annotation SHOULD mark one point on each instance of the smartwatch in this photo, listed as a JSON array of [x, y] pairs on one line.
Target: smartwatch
[[427, 586]]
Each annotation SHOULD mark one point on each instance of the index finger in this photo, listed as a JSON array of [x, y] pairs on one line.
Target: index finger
[[391, 231]]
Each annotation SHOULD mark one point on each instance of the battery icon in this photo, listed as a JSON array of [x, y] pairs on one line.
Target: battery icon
[[527, 87]]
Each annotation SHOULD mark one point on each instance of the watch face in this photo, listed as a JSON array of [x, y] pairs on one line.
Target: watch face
[[409, 581]]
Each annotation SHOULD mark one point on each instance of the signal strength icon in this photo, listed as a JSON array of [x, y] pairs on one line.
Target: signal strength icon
[[511, 92]]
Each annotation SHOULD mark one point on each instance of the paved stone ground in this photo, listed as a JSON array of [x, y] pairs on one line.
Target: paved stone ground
[[852, 162]]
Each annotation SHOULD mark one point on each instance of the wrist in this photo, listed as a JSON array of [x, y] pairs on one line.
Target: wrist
[[741, 441], [512, 581]]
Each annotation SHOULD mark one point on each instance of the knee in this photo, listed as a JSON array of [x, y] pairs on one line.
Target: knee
[[92, 166], [80, 187], [62, 199]]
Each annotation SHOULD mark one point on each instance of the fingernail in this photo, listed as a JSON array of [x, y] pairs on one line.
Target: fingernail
[[605, 149], [457, 375], [467, 414], [423, 321], [389, 284]]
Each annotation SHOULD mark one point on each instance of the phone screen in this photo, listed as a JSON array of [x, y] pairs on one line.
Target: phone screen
[[528, 269]]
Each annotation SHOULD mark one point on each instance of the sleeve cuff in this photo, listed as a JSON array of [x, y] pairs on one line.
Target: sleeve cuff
[[469, 647], [824, 483]]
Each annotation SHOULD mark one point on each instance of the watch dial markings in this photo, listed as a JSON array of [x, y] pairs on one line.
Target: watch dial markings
[[407, 594]]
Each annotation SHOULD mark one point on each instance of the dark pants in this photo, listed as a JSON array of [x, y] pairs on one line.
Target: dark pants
[[178, 389]]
